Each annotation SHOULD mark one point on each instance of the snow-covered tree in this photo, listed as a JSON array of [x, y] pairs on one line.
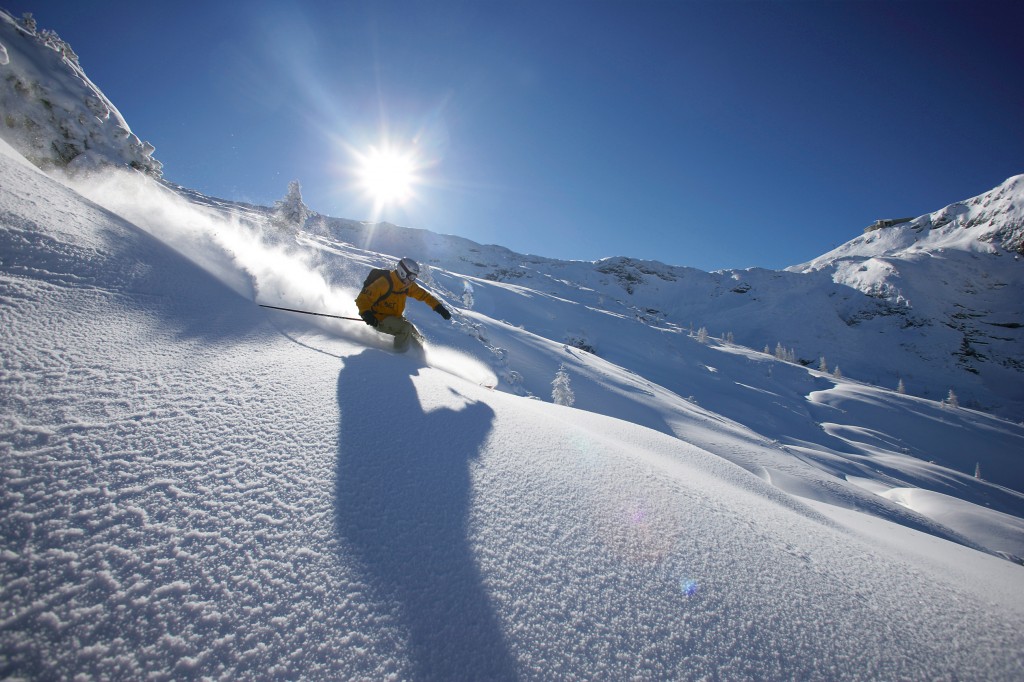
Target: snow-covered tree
[[977, 470], [952, 400], [702, 335], [822, 365], [784, 354], [561, 391], [837, 373], [56, 43], [467, 295], [291, 213], [767, 350], [901, 388]]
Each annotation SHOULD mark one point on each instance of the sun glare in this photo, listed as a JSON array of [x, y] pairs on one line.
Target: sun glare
[[387, 176]]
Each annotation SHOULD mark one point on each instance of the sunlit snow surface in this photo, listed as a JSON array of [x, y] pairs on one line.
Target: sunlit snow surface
[[196, 487]]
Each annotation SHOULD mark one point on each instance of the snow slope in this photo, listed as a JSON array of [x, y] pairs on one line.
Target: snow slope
[[935, 303], [193, 486], [197, 487]]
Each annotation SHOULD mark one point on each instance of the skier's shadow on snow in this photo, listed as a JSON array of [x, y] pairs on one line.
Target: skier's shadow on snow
[[402, 503]]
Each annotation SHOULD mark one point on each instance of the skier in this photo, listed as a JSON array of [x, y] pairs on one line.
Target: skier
[[382, 302]]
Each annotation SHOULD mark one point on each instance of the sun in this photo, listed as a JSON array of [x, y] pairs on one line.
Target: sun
[[387, 176]]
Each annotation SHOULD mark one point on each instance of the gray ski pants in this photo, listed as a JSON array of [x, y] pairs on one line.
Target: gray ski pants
[[402, 329]]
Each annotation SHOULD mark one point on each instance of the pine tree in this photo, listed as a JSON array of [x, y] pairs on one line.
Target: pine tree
[[784, 354], [977, 470], [837, 373], [702, 335], [291, 213], [561, 391], [952, 400], [900, 388], [822, 365]]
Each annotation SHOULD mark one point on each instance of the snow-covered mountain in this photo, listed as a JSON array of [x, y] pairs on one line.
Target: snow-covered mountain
[[52, 113], [195, 487], [934, 302]]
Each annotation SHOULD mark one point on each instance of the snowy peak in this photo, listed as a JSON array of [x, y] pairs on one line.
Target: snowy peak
[[996, 216], [53, 114], [989, 223]]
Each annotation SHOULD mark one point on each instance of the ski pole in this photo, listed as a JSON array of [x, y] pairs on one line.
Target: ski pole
[[306, 312]]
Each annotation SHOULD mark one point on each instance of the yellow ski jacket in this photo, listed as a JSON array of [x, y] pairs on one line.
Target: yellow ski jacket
[[386, 296]]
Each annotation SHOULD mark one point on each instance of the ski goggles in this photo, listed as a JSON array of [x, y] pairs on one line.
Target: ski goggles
[[406, 274]]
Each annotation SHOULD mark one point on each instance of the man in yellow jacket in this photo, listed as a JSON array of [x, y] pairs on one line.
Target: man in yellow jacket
[[382, 302]]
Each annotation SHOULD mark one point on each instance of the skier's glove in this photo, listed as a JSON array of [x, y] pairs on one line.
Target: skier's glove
[[442, 311], [369, 318]]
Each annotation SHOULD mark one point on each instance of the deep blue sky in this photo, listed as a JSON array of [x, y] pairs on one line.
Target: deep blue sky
[[711, 134]]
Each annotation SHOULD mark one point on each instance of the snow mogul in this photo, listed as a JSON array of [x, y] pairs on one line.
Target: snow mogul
[[381, 303]]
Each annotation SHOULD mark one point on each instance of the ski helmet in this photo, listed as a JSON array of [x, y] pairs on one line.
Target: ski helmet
[[407, 269]]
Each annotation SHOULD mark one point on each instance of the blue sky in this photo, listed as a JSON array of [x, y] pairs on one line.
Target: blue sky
[[710, 134]]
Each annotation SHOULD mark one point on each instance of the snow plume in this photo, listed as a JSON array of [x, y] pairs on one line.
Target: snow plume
[[231, 245], [461, 365]]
